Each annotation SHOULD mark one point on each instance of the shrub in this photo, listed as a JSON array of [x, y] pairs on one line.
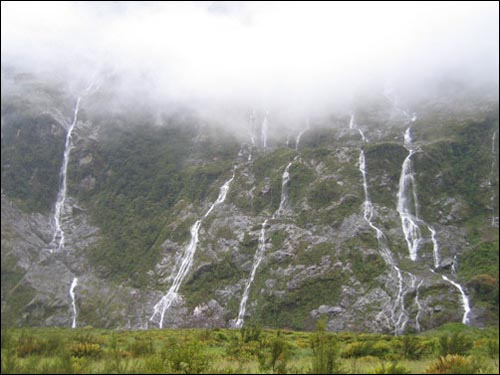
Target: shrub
[[9, 363], [325, 358], [86, 337], [380, 349], [457, 343], [53, 344], [28, 345], [492, 348], [85, 350], [454, 364], [186, 357], [280, 354], [220, 337], [411, 347], [251, 333], [141, 348], [6, 338], [250, 344], [116, 364], [155, 364], [393, 368]]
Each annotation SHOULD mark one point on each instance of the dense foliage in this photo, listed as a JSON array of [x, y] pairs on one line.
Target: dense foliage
[[249, 350]]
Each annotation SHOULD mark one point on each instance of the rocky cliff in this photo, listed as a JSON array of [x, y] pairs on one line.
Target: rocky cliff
[[383, 218]]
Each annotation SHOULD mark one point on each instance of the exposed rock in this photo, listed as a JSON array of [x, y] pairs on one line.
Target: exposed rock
[[88, 183]]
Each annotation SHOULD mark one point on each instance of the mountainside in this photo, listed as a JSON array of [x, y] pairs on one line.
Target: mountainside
[[384, 219]]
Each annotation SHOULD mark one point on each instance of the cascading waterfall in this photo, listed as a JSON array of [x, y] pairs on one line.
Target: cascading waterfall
[[257, 259], [263, 131], [284, 189], [435, 247], [407, 206], [261, 248], [494, 219], [297, 140], [398, 310], [454, 265], [187, 260], [354, 126], [465, 299], [74, 283], [419, 306], [222, 194], [58, 237]]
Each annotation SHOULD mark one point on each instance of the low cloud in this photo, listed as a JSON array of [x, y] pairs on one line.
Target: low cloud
[[290, 57]]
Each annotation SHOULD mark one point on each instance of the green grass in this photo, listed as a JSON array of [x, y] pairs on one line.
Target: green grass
[[88, 350]]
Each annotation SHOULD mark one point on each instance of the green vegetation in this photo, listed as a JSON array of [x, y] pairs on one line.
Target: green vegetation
[[31, 159], [384, 160], [292, 309], [249, 350], [142, 183], [145, 173], [325, 351]]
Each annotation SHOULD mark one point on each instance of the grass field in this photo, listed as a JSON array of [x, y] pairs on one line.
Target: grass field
[[451, 349]]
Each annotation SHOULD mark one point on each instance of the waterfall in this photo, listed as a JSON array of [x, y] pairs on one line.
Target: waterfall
[[435, 247], [263, 132], [399, 322], [58, 237], [419, 306], [256, 261], [284, 188], [187, 259], [354, 126], [494, 167], [261, 248], [398, 308], [454, 265], [465, 299], [74, 283], [407, 206], [222, 194], [297, 140]]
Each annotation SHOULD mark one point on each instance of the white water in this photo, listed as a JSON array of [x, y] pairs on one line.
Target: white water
[[465, 299], [58, 237], [187, 260], [263, 132], [399, 316], [74, 283], [419, 305], [407, 201], [284, 188], [354, 126], [435, 247], [494, 219], [454, 265], [297, 140], [222, 194], [260, 249], [256, 261]]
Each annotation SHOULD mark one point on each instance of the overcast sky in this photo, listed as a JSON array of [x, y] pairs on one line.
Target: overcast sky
[[282, 53]]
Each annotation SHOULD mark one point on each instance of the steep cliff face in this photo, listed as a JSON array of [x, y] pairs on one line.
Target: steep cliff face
[[386, 220]]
